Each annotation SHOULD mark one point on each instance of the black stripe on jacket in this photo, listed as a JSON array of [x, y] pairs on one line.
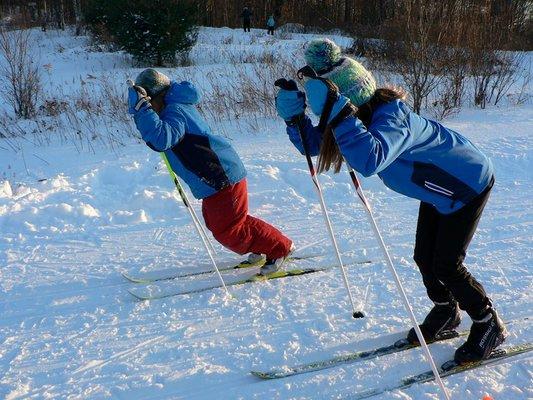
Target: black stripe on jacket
[[195, 153], [439, 181]]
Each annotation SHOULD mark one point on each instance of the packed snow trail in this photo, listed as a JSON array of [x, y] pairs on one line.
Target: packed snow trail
[[65, 306]]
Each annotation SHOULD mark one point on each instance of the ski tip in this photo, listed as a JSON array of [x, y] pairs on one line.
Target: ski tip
[[263, 375], [137, 296], [133, 279], [259, 374], [358, 314]]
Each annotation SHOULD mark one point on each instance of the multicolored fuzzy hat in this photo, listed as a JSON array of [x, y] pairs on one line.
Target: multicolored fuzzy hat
[[154, 82], [352, 78]]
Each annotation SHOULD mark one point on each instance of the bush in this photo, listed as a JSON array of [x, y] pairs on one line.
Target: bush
[[153, 31], [436, 46], [20, 78]]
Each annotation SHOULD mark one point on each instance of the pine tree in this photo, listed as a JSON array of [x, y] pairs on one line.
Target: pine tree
[[153, 31]]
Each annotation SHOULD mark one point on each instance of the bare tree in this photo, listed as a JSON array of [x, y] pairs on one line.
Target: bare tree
[[494, 70], [416, 45], [77, 15], [436, 45], [19, 73]]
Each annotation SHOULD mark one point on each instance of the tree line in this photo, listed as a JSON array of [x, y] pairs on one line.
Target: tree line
[[358, 17], [440, 48], [325, 14]]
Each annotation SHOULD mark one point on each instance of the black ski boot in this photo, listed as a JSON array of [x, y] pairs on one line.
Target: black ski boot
[[485, 335], [443, 317]]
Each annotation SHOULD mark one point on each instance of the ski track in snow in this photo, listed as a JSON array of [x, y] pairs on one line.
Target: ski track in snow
[[69, 329]]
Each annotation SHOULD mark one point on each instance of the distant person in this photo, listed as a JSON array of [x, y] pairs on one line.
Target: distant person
[[246, 16], [44, 21], [271, 24], [167, 117], [33, 11]]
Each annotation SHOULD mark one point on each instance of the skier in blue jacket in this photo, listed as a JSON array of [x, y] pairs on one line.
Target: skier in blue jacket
[[375, 132], [169, 122], [271, 24]]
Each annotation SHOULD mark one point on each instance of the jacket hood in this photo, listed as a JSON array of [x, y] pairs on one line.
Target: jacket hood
[[183, 92]]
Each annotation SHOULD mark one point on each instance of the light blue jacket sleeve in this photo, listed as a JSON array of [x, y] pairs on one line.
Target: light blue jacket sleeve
[[161, 133], [370, 151], [310, 133]]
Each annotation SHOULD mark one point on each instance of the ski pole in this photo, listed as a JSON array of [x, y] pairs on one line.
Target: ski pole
[[389, 263], [199, 229], [184, 198], [356, 314], [194, 217]]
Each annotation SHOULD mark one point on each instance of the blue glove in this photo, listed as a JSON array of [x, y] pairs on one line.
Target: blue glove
[[138, 99], [317, 92], [290, 102]]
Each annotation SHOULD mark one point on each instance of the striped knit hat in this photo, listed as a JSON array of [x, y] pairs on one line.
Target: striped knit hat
[[154, 82], [353, 80]]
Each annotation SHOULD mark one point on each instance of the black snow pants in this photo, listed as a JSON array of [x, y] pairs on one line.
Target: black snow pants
[[440, 248]]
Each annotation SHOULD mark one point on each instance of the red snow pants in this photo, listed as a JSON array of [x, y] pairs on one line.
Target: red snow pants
[[226, 216]]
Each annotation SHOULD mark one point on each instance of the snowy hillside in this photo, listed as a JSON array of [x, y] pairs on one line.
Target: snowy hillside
[[71, 220]]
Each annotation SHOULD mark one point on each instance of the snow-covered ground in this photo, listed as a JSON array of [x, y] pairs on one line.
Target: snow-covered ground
[[72, 221]]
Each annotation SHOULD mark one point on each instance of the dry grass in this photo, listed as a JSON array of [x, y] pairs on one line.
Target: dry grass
[[249, 99], [94, 115]]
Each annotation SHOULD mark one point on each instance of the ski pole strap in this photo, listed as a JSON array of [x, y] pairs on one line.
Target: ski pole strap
[[306, 71], [299, 121], [347, 110], [331, 97]]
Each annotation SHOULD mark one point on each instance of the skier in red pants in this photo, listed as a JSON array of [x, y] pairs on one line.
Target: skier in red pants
[[169, 122], [226, 215]]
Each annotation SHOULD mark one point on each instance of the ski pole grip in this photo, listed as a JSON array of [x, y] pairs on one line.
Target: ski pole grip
[[281, 83]]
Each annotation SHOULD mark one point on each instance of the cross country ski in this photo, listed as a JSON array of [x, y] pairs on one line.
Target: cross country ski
[[162, 290], [449, 368], [173, 273], [397, 347]]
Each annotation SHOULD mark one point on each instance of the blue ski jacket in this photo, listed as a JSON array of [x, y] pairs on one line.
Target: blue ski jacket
[[206, 162], [412, 155]]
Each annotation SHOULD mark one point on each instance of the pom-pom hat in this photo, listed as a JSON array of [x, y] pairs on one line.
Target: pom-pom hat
[[352, 78]]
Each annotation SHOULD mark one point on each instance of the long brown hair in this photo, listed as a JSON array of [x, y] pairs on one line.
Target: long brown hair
[[330, 154]]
